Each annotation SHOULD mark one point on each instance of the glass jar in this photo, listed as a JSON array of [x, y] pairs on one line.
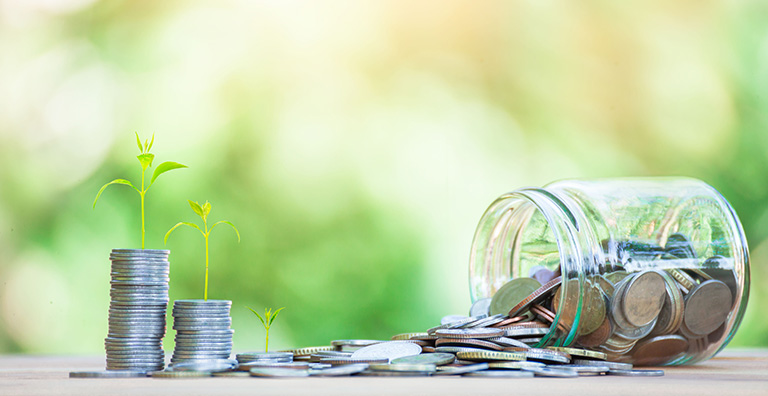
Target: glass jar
[[649, 271]]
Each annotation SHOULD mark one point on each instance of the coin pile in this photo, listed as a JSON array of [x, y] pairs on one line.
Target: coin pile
[[202, 330], [647, 317], [139, 297]]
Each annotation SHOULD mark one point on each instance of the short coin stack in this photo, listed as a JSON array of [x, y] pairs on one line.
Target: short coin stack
[[139, 298], [202, 330]]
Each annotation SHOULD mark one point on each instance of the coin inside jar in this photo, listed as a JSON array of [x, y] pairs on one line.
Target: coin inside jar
[[706, 307], [643, 298], [511, 294]]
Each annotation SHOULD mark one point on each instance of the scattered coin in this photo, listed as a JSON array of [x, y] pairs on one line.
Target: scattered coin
[[275, 372], [336, 371], [499, 374], [108, 374], [637, 373], [458, 370], [387, 350], [180, 374]]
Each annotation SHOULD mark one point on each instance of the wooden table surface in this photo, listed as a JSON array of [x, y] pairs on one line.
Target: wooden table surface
[[734, 372]]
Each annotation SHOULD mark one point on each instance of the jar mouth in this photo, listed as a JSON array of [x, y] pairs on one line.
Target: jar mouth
[[519, 233]]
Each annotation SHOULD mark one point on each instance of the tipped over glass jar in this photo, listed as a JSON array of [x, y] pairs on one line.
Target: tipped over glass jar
[[650, 271]]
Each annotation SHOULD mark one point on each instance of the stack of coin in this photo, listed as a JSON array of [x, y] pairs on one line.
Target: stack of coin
[[202, 330], [139, 298]]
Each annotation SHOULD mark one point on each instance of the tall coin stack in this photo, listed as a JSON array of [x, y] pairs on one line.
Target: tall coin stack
[[202, 330], [139, 299]]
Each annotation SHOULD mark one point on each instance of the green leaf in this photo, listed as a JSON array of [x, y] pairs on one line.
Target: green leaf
[[165, 167], [206, 208], [116, 181], [274, 316], [151, 143], [138, 141], [196, 207], [257, 314], [146, 160], [229, 223], [181, 223]]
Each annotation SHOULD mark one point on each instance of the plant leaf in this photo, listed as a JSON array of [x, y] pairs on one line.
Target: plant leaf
[[151, 143], [196, 207], [138, 141], [257, 314], [165, 167], [116, 181], [181, 223], [206, 208], [274, 316], [146, 160], [229, 223]]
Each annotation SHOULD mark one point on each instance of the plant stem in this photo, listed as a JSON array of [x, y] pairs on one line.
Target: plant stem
[[266, 343], [205, 294], [143, 191]]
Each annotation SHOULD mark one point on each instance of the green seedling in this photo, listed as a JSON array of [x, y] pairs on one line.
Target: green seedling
[[267, 320], [203, 211], [145, 159]]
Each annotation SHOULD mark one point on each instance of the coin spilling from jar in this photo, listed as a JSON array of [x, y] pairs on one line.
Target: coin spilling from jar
[[668, 307]]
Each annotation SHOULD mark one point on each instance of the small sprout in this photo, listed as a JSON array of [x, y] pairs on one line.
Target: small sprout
[[145, 159], [203, 211], [267, 320]]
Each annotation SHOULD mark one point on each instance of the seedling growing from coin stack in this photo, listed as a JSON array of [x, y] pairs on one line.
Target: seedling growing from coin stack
[[203, 211], [145, 159], [267, 320]]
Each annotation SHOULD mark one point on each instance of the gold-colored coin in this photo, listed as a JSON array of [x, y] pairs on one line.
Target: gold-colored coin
[[408, 336], [584, 353], [309, 350], [490, 356]]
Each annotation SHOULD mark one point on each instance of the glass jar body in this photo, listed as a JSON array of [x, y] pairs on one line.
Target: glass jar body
[[651, 270]]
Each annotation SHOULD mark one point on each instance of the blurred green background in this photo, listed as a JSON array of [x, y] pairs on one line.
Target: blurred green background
[[355, 144]]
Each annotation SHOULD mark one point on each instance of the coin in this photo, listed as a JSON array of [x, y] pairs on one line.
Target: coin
[[671, 315], [659, 350], [339, 344], [513, 365], [179, 374], [581, 353], [467, 342], [586, 370], [388, 350], [609, 364], [407, 367], [480, 307], [706, 307], [212, 365], [348, 369], [470, 333], [535, 297], [597, 337], [511, 294], [499, 374], [637, 373], [551, 371], [454, 325], [107, 374], [487, 356], [509, 342], [458, 370], [371, 373], [232, 374], [437, 359], [643, 298], [309, 350]]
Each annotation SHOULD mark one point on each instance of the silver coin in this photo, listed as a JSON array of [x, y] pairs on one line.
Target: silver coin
[[387, 350], [499, 374], [459, 370], [436, 358], [456, 349], [452, 318], [525, 332], [610, 365], [336, 371], [481, 307], [278, 372], [354, 343], [288, 365], [486, 322], [456, 324], [212, 365], [637, 373], [509, 342], [107, 374], [551, 371], [582, 369], [202, 303], [403, 367], [470, 333], [250, 356], [371, 373]]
